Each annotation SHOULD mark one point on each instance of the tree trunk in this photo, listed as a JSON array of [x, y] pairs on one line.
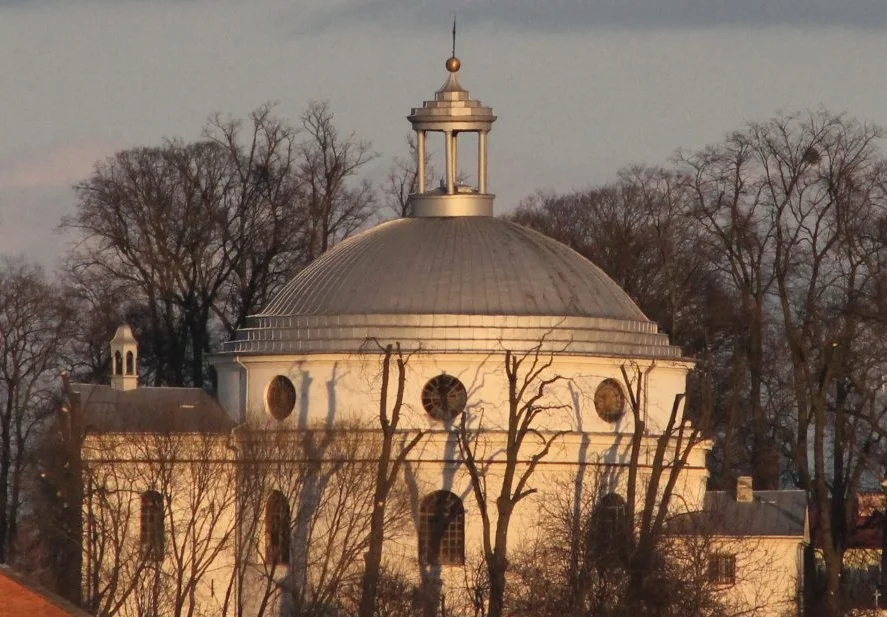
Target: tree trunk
[[496, 571], [370, 583], [5, 463], [498, 565], [832, 583]]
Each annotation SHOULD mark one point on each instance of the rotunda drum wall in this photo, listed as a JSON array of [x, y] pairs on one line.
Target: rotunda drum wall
[[345, 389]]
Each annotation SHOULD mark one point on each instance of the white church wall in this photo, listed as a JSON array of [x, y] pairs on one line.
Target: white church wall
[[195, 478], [329, 386], [343, 391], [231, 389], [431, 468], [334, 389]]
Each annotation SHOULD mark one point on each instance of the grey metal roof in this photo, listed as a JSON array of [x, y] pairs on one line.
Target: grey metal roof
[[769, 513], [452, 284], [453, 265], [147, 409]]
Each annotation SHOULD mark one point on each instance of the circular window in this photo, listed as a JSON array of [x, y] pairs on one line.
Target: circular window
[[280, 397], [444, 397], [609, 400]]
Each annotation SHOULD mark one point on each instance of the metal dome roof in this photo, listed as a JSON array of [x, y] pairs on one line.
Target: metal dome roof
[[452, 284], [453, 265]]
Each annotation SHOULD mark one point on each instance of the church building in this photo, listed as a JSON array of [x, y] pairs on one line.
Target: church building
[[503, 363]]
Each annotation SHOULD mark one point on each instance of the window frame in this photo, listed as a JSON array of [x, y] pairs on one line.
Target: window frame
[[280, 397], [722, 569], [436, 397], [603, 394], [609, 531], [152, 525], [278, 519], [441, 533]]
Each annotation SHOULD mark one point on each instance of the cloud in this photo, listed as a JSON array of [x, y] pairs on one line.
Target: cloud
[[572, 15], [29, 221], [60, 165], [36, 4]]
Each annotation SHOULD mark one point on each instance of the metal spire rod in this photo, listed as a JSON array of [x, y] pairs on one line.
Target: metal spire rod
[[454, 34]]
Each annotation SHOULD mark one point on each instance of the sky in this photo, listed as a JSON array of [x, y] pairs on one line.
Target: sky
[[582, 88]]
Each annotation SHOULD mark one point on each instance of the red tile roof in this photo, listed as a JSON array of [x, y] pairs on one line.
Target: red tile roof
[[20, 598]]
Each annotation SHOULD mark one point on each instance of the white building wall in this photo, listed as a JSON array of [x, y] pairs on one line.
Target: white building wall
[[769, 574], [591, 456]]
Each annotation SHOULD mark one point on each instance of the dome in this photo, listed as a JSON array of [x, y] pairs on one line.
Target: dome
[[452, 278], [450, 284], [453, 265]]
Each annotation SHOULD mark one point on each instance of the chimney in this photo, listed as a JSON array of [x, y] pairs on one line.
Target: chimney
[[744, 489]]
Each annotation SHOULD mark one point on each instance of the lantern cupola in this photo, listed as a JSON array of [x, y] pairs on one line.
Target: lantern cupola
[[452, 113], [124, 359]]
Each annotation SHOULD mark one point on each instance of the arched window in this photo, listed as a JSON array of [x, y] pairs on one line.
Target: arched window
[[151, 533], [277, 529], [609, 531], [118, 363], [130, 363], [441, 530]]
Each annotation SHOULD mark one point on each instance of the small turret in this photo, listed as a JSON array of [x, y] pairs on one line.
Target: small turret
[[124, 359]]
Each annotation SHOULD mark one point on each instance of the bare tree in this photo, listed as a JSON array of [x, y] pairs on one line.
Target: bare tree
[[396, 446], [601, 555], [198, 235], [649, 504], [403, 180], [263, 232], [314, 565], [327, 163], [529, 377], [138, 565], [795, 206], [149, 219], [824, 217], [33, 328]]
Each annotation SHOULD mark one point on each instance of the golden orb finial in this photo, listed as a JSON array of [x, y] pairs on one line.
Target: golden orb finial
[[453, 64]]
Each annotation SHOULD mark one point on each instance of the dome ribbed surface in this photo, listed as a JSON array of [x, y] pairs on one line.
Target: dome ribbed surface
[[452, 284], [453, 265]]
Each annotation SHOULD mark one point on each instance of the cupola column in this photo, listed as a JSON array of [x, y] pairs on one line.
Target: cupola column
[[482, 162], [450, 141], [420, 160]]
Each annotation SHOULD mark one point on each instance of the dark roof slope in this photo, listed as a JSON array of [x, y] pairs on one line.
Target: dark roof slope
[[150, 410], [769, 513]]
